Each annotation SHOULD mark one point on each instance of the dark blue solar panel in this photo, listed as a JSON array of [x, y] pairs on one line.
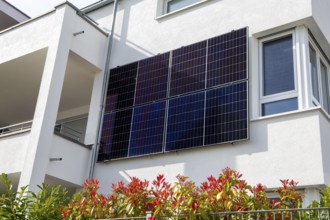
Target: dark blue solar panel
[[147, 129], [152, 79], [226, 114], [115, 135], [227, 58], [185, 122], [121, 87], [188, 69], [206, 103]]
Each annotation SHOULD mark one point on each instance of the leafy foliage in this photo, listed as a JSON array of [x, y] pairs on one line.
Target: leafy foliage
[[13, 205], [227, 192], [45, 204]]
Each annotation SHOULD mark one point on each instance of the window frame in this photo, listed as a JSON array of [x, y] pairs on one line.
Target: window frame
[[320, 58], [166, 2], [264, 99]]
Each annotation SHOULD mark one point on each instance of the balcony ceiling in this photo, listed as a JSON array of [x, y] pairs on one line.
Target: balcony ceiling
[[20, 82]]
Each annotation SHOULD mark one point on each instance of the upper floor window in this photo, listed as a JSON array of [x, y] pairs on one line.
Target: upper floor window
[[278, 87], [319, 76], [174, 5]]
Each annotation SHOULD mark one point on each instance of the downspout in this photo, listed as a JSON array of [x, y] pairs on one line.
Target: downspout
[[104, 91]]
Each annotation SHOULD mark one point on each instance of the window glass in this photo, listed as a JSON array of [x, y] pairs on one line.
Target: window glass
[[313, 71], [279, 106], [325, 87], [278, 69], [178, 4]]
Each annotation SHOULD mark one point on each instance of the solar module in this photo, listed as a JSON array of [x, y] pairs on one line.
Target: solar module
[[121, 87], [185, 122], [188, 69], [152, 79], [227, 58], [115, 134], [147, 129], [193, 96], [226, 114]]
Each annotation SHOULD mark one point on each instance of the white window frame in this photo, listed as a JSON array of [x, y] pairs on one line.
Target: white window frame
[[165, 6], [283, 95], [319, 58]]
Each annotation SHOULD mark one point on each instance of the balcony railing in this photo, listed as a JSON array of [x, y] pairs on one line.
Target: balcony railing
[[61, 128], [15, 128], [69, 132]]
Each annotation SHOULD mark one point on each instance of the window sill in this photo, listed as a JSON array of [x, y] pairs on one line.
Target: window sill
[[181, 9], [318, 108]]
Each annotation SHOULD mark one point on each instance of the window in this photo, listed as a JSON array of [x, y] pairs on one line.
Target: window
[[278, 86], [319, 77], [174, 5]]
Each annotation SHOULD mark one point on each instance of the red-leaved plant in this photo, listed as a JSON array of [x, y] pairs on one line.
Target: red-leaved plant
[[228, 192]]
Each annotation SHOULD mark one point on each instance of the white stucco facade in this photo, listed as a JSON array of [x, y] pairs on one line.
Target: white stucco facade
[[291, 145]]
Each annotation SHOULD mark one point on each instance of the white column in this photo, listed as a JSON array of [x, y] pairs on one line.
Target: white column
[[94, 109], [39, 146]]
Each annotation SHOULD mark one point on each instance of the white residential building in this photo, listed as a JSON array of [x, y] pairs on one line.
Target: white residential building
[[201, 85]]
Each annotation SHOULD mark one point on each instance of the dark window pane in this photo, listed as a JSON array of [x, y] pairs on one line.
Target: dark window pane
[[227, 58], [278, 71], [115, 135], [185, 122], [121, 87], [178, 4], [152, 79], [279, 106], [188, 69], [147, 129], [314, 75], [226, 114]]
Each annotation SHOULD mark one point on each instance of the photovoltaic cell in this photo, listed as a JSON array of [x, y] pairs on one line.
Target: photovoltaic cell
[[227, 58], [152, 79], [226, 114], [121, 87], [147, 129], [115, 135], [188, 69], [185, 122]]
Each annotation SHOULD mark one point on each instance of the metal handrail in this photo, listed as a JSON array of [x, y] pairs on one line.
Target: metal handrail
[[15, 128], [61, 128], [68, 131]]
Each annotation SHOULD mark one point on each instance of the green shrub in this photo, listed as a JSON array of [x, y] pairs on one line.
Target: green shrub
[[45, 204]]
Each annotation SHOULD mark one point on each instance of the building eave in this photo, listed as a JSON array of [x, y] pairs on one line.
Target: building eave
[[96, 5]]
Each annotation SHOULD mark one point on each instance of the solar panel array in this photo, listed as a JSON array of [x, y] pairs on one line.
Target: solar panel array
[[193, 96]]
